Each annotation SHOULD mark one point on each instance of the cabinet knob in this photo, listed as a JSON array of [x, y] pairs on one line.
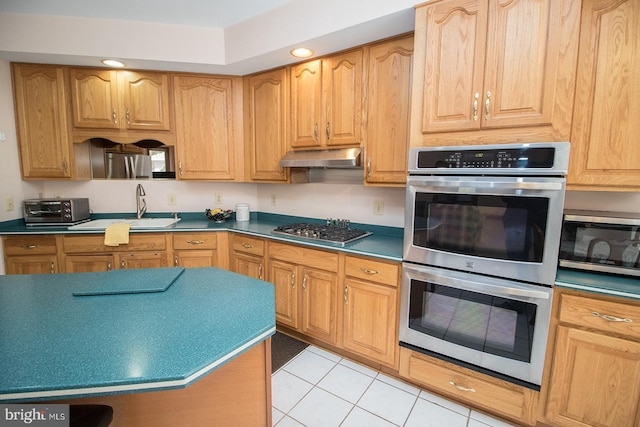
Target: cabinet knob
[[346, 294], [475, 106], [315, 131], [53, 267], [128, 116], [114, 116], [486, 105], [328, 131]]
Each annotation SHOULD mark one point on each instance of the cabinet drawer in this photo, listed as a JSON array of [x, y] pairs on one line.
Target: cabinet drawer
[[607, 316], [371, 270], [322, 260], [469, 387], [246, 244], [94, 243], [195, 240], [29, 245]]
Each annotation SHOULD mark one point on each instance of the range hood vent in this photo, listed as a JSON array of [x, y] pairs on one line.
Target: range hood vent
[[333, 158]]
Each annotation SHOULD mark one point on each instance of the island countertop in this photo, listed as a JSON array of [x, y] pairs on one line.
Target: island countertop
[[56, 342]]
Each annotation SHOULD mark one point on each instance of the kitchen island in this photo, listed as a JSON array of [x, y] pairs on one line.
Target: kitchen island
[[167, 346]]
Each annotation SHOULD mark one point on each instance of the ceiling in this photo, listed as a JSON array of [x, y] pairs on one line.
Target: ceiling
[[214, 36]]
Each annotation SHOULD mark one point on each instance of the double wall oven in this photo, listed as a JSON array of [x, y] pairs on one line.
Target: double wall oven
[[482, 231]]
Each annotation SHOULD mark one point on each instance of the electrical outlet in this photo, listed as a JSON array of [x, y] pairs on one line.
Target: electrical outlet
[[8, 204], [378, 207], [171, 199], [274, 198], [219, 199]]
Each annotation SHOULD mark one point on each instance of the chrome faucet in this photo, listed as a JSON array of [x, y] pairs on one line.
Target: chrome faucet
[[141, 204]]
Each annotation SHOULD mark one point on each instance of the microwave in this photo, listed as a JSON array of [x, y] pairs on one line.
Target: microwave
[[56, 211], [597, 241]]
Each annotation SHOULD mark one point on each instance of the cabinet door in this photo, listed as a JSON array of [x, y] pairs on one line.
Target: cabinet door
[[89, 263], [146, 101], [606, 129], [266, 127], [247, 265], [205, 129], [283, 275], [455, 40], [523, 48], [306, 104], [195, 259], [41, 115], [34, 264], [594, 380], [94, 98], [142, 260], [319, 304], [342, 99], [370, 320], [388, 100]]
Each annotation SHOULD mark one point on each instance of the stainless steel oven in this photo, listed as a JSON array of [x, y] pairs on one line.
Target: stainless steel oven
[[482, 232]]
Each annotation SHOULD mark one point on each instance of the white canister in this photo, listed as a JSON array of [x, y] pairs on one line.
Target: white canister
[[242, 212]]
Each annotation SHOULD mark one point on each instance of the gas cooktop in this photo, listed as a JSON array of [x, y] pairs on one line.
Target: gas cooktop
[[335, 231]]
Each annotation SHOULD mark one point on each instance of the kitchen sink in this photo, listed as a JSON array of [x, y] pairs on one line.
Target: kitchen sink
[[101, 224]]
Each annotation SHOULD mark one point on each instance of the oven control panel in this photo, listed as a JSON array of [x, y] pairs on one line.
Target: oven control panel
[[504, 159]]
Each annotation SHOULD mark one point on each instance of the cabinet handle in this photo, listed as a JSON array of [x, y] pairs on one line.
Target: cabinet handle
[[293, 280], [30, 246], [175, 261], [328, 131], [304, 283], [346, 294], [128, 116], [180, 167], [246, 245], [109, 266], [611, 318], [369, 167], [486, 105], [461, 388], [260, 271], [53, 267], [123, 264], [195, 242], [369, 271], [65, 165], [114, 116], [475, 106], [315, 131]]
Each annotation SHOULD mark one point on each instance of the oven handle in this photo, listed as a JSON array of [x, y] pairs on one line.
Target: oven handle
[[498, 290], [470, 186]]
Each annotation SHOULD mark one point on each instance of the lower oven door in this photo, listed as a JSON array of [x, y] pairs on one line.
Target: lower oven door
[[496, 326]]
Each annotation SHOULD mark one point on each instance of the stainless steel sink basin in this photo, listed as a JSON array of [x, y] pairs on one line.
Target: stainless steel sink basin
[[101, 224]]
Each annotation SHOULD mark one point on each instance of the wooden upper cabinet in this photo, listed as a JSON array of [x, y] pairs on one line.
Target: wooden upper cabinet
[[489, 65], [208, 134], [326, 101], [127, 100], [266, 107], [388, 98], [41, 117], [606, 128]]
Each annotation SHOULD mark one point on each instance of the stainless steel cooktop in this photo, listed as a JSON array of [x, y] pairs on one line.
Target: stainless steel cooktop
[[334, 231]]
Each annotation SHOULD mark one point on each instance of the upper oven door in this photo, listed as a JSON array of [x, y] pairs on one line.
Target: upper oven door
[[500, 226]]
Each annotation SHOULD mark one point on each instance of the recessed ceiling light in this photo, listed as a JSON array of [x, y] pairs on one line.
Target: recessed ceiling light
[[302, 52], [112, 63]]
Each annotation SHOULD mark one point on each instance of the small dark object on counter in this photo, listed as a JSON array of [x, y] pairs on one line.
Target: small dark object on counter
[[218, 215]]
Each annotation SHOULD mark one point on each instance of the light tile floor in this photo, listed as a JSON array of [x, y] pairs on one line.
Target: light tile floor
[[320, 389]]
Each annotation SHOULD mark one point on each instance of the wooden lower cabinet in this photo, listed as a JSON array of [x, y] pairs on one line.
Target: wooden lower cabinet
[[306, 287], [30, 254], [594, 379], [469, 387], [192, 250], [370, 309], [247, 255]]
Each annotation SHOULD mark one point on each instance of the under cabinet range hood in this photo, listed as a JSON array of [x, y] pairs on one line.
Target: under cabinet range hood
[[332, 158]]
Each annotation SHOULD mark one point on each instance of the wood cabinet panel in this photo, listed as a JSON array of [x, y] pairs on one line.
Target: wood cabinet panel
[[32, 264], [94, 243], [319, 308], [266, 124], [29, 245], [44, 139], [89, 263], [605, 131], [146, 259], [306, 104], [319, 259], [194, 240], [247, 244], [283, 276], [386, 116], [373, 270]]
